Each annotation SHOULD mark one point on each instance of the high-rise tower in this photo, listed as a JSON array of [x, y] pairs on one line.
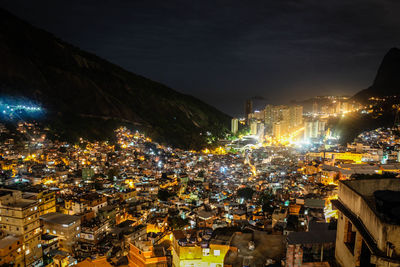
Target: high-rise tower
[[248, 109]]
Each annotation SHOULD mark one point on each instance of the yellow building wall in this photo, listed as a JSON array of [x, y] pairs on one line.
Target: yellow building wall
[[197, 256]]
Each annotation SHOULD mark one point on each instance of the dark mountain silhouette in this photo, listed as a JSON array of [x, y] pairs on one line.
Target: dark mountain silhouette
[[386, 84], [89, 96], [387, 80]]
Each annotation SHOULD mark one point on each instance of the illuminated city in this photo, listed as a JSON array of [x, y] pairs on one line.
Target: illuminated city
[[269, 153]]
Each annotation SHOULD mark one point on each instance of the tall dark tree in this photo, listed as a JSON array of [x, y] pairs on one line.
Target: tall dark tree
[[112, 172], [246, 193]]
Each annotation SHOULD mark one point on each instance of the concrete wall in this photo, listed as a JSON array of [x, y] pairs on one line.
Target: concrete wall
[[368, 187], [380, 231], [342, 253]]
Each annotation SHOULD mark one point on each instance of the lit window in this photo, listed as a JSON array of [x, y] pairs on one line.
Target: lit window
[[54, 232], [206, 252], [217, 252]]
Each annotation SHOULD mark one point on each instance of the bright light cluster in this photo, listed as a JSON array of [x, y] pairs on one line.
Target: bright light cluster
[[12, 108]]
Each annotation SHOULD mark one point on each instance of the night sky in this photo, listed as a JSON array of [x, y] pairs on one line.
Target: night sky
[[224, 52]]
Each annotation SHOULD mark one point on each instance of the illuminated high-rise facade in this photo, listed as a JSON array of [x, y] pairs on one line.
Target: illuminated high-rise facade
[[284, 112], [315, 108], [277, 130], [253, 127], [296, 116], [271, 115], [281, 120], [248, 109], [234, 125], [314, 129]]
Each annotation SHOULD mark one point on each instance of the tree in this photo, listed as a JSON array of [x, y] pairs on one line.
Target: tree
[[112, 172], [164, 194], [98, 185], [82, 144], [201, 173], [246, 193], [266, 200], [177, 223]]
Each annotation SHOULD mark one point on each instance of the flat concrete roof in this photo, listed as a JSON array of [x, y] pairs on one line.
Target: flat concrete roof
[[266, 247], [312, 237], [20, 203], [59, 218], [8, 241], [4, 192], [367, 187]]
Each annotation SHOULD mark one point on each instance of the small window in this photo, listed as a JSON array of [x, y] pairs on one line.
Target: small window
[[217, 252], [350, 237], [206, 252]]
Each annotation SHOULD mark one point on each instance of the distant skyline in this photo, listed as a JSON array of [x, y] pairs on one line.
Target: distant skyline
[[225, 52]]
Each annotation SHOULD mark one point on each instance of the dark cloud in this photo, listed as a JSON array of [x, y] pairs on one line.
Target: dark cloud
[[227, 51]]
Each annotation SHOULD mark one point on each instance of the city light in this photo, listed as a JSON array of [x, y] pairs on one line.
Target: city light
[[12, 108]]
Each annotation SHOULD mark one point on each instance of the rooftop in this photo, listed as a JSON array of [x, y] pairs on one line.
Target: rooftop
[[266, 247], [8, 241], [19, 203], [367, 187], [59, 218], [5, 192], [312, 237], [48, 237]]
